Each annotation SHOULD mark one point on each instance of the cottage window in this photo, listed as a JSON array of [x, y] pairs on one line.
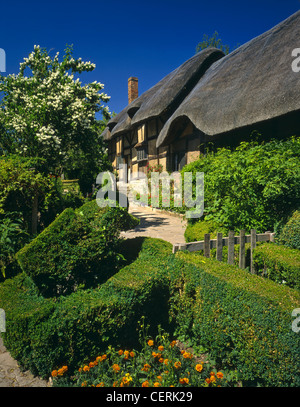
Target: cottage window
[[141, 154]]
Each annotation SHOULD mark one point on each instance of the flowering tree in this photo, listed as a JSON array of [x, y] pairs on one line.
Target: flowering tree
[[51, 115]]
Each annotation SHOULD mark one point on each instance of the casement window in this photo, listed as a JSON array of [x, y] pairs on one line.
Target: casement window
[[141, 153]]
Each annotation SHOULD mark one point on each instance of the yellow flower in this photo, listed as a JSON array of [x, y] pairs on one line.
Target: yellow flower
[[150, 342], [199, 367], [160, 348]]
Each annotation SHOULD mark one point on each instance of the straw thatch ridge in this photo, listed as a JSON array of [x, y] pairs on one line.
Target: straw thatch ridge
[[166, 95], [251, 85]]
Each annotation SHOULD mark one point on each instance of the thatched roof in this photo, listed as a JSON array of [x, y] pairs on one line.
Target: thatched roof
[[253, 84], [166, 95]]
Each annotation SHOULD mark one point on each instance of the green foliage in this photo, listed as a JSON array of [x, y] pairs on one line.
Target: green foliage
[[279, 263], [46, 112], [80, 248], [290, 233], [242, 319], [12, 238], [214, 42], [254, 186], [196, 231]]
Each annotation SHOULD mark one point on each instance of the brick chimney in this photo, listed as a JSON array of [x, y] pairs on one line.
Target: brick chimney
[[133, 91]]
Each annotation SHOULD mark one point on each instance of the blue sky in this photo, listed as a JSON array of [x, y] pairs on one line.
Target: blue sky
[[147, 39]]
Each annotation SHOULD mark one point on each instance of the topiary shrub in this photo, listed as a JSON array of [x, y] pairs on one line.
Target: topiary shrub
[[290, 233], [78, 249]]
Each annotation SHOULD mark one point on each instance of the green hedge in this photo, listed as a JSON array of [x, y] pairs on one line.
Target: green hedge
[[44, 333], [79, 248], [279, 263], [244, 319], [290, 233]]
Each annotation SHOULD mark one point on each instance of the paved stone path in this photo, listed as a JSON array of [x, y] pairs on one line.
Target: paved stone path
[[158, 224], [153, 223], [12, 376]]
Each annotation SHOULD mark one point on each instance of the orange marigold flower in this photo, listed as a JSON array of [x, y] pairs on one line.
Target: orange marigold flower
[[101, 384], [160, 348], [207, 380], [145, 384], [166, 362], [104, 357], [187, 355], [120, 352], [80, 370], [86, 368], [213, 378], [177, 365], [126, 353], [132, 354], [150, 342], [116, 368], [159, 378], [91, 364], [184, 380], [172, 344], [161, 360], [54, 373], [83, 384], [115, 384], [156, 384], [220, 375], [199, 367], [146, 367]]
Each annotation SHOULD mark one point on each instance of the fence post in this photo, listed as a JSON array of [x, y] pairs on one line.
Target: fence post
[[230, 257], [253, 245], [207, 245], [219, 246], [242, 255]]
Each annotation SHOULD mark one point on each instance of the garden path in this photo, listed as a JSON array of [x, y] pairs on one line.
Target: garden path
[[157, 224], [153, 223]]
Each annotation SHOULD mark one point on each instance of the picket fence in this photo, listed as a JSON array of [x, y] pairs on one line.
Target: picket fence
[[207, 244]]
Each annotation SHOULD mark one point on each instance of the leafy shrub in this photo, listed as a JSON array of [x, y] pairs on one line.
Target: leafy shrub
[[12, 238], [46, 332], [254, 186], [195, 231], [290, 234], [245, 319], [279, 263], [80, 248]]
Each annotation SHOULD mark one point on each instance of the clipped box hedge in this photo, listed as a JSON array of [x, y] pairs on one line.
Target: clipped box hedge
[[80, 247], [244, 319], [44, 333], [279, 263]]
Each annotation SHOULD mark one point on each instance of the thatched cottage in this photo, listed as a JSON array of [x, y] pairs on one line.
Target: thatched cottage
[[211, 97]]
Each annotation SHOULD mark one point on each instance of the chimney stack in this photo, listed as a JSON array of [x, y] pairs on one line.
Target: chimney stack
[[133, 91]]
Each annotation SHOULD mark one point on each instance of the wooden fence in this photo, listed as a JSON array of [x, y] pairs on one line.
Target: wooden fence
[[207, 244]]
